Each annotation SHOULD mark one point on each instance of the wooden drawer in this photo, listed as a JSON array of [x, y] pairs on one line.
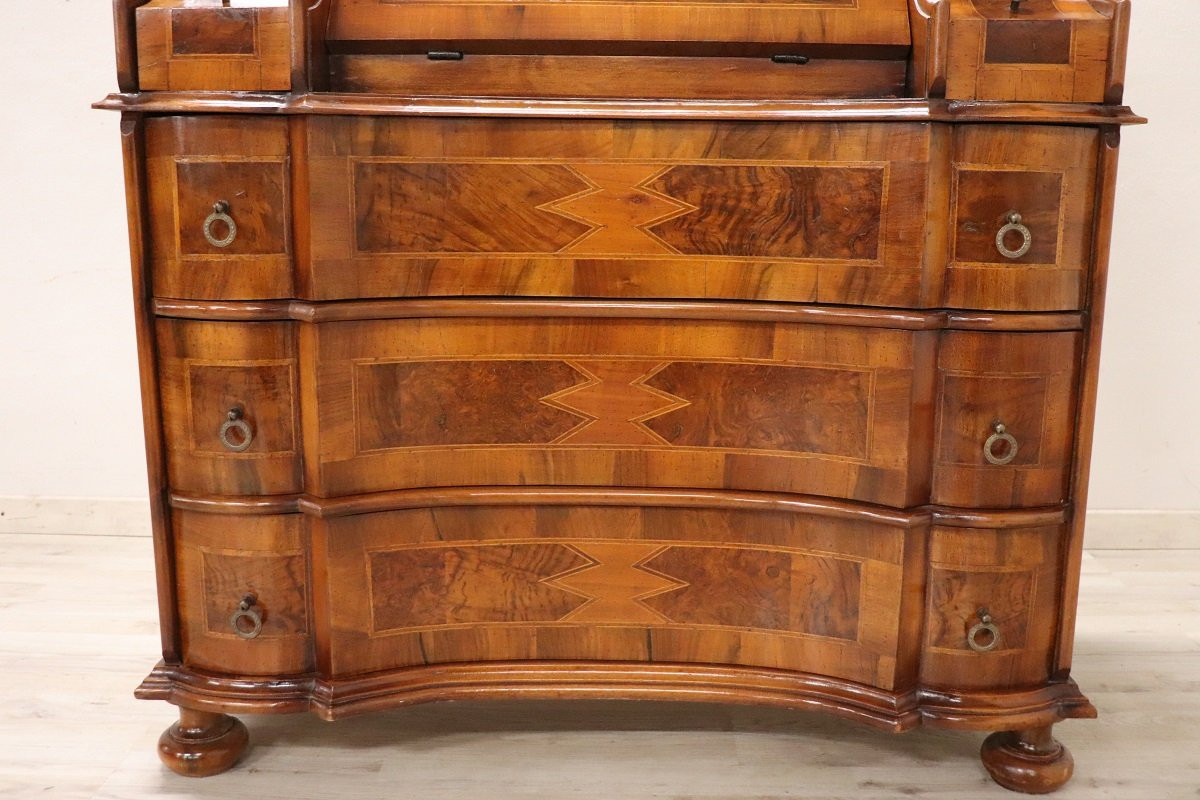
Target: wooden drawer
[[1045, 175], [198, 45], [1054, 51], [193, 163], [840, 213], [835, 410], [210, 369], [847, 213], [221, 560], [1023, 381], [1011, 575], [807, 592], [831, 213], [830, 410]]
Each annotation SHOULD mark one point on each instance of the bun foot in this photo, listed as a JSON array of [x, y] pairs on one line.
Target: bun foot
[[202, 743], [1030, 761]]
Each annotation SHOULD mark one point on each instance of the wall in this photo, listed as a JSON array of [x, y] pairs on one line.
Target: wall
[[69, 405]]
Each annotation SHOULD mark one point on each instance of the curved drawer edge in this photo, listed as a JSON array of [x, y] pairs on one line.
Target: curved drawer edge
[[618, 497], [600, 308], [883, 109]]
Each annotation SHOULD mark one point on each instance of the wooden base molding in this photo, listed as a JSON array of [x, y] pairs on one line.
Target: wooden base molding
[[333, 699]]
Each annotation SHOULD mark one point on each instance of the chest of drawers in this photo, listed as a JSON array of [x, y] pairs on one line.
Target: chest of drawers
[[679, 351]]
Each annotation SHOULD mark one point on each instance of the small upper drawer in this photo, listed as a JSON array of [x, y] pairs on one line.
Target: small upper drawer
[[1045, 50], [1021, 206], [1006, 419], [219, 207], [229, 406], [201, 45]]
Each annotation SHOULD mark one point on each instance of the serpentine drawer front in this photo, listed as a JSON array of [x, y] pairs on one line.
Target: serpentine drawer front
[[813, 409], [847, 213], [733, 352]]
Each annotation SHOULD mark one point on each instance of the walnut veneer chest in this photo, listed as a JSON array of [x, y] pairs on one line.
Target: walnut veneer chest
[[737, 351]]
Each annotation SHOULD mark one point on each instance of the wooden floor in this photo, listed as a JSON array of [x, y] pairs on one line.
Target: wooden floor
[[78, 631]]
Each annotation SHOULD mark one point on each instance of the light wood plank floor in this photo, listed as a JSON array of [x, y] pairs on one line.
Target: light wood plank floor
[[78, 631]]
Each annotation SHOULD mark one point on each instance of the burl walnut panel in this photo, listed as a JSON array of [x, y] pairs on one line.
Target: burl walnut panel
[[207, 369], [814, 409], [193, 163], [818, 213], [764, 589], [221, 559]]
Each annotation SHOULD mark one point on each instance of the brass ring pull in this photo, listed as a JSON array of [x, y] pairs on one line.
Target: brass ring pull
[[220, 213], [976, 638], [247, 621], [245, 435], [1014, 225], [1008, 454]]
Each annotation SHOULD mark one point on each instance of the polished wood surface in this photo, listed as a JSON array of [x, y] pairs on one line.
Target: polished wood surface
[[384, 24], [1050, 50], [202, 743], [191, 166], [616, 76], [621, 350], [186, 44], [1030, 761]]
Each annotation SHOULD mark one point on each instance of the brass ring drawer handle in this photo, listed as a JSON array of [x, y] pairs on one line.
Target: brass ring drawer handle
[[1014, 226], [1000, 435], [220, 213], [984, 636], [247, 620], [240, 442]]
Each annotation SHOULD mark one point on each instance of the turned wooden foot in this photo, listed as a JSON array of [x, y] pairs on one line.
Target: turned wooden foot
[[202, 743], [1030, 761]]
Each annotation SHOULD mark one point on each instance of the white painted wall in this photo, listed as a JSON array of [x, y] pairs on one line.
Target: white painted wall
[[69, 404]]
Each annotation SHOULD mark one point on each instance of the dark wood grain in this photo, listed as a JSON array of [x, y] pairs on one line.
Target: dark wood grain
[[797, 212], [473, 402], [224, 31], [797, 409], [566, 76]]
